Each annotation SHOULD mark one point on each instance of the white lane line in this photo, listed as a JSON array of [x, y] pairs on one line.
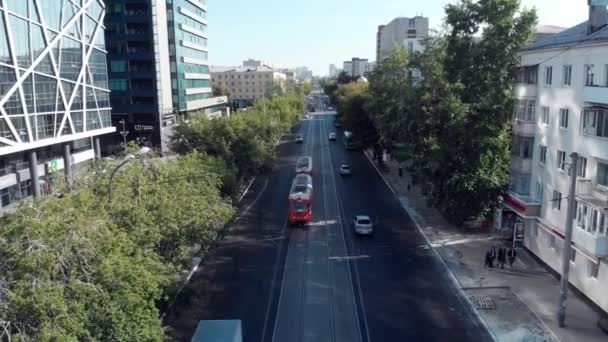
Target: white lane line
[[246, 189], [330, 288], [359, 290], [451, 274], [276, 319]]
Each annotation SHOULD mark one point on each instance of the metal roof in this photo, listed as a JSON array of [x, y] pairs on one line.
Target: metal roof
[[575, 35]]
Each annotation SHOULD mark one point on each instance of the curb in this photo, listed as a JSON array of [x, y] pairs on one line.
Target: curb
[[451, 274]]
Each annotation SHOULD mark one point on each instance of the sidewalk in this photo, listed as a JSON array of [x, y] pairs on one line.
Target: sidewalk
[[518, 304]]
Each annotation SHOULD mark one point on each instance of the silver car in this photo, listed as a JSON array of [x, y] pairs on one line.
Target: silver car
[[363, 225]]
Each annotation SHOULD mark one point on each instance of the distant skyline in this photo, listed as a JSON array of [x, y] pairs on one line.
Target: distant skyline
[[317, 33]]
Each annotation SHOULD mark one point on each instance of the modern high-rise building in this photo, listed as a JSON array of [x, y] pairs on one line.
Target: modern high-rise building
[[54, 97], [347, 67], [561, 107], [406, 32], [333, 71], [159, 69]]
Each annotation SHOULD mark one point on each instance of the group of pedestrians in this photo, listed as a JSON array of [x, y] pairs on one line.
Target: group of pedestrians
[[502, 254]]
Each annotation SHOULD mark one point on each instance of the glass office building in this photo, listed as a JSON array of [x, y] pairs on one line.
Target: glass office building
[[54, 96], [158, 67]]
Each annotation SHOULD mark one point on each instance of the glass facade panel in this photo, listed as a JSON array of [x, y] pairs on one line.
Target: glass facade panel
[[46, 90], [52, 13], [71, 59]]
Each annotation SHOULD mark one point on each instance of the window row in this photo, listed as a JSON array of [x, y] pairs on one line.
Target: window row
[[589, 76]]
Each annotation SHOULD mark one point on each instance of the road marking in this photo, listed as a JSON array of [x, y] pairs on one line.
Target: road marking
[[274, 330], [359, 290], [349, 257], [247, 189], [451, 274]]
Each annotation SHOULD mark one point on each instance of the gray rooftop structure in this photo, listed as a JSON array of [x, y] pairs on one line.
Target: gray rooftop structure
[[576, 35]]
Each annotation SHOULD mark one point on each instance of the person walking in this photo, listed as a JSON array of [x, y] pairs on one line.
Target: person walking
[[487, 259], [492, 256], [502, 257], [511, 255]]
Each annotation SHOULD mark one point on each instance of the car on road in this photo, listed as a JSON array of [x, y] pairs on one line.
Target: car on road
[[332, 136], [337, 124], [299, 138], [363, 225], [345, 170]]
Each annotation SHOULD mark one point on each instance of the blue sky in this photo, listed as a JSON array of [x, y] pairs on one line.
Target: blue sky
[[315, 33]]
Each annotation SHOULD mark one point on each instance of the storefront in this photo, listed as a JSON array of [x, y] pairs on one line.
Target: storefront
[[513, 217]]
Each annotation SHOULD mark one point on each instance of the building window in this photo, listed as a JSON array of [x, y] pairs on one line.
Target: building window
[[524, 109], [561, 160], [595, 122], [563, 118], [593, 269], [567, 75], [603, 222], [548, 75], [557, 200], [582, 167], [545, 115], [572, 255], [522, 146], [605, 75], [118, 84], [118, 66], [602, 174], [543, 154], [589, 75], [540, 192]]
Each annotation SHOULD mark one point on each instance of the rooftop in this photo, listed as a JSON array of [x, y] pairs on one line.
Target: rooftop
[[262, 68], [576, 35]]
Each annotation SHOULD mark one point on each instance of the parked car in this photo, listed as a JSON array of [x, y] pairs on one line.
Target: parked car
[[363, 225], [332, 136], [337, 124], [345, 170], [299, 138]]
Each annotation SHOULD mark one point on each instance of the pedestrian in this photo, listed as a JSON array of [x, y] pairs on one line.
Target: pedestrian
[[502, 257], [492, 256], [511, 255], [487, 259]]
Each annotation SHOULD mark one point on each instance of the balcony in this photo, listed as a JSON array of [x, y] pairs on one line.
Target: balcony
[[524, 128], [589, 192], [595, 94], [524, 90], [521, 165]]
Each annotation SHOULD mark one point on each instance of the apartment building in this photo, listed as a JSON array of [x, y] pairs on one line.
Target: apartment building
[[561, 107], [54, 98], [408, 33], [248, 84], [158, 67], [347, 67]]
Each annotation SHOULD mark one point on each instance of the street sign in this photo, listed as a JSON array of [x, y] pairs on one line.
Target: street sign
[[54, 165]]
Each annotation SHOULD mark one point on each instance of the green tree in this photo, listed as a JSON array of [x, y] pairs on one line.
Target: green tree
[[352, 99], [329, 88], [221, 90], [466, 101], [391, 99]]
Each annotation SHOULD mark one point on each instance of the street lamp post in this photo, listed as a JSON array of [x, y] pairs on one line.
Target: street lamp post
[[124, 133], [143, 151]]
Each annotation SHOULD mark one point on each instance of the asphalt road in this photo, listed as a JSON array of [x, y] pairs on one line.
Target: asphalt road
[[322, 282]]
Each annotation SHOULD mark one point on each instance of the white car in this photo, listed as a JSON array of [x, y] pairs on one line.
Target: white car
[[345, 170], [363, 225], [332, 136]]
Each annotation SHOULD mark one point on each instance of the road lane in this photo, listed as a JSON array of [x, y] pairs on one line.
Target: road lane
[[406, 293], [316, 277], [241, 278]]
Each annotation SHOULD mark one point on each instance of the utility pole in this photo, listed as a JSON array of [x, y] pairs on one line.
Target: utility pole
[[563, 290], [124, 134]]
